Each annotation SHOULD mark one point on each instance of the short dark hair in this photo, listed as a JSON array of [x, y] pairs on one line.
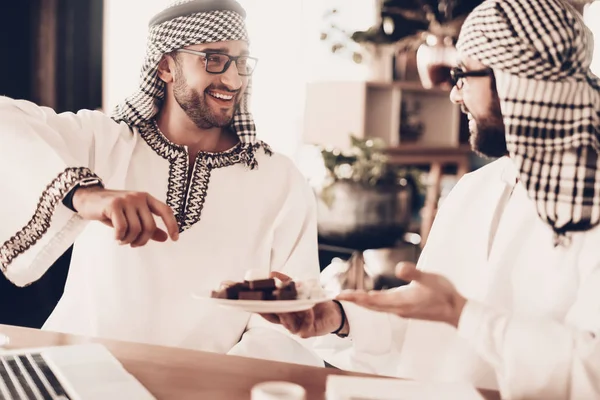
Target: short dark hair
[[174, 55]]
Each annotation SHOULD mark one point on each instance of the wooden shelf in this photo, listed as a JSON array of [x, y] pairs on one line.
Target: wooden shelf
[[433, 150], [412, 154], [336, 109], [408, 86], [436, 158]]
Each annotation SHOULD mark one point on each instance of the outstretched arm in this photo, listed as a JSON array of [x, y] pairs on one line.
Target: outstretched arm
[[43, 155], [534, 358]]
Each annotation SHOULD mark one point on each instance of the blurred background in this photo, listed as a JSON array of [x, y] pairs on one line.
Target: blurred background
[[355, 91]]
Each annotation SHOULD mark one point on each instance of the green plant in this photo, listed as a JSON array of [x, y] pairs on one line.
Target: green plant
[[365, 163]]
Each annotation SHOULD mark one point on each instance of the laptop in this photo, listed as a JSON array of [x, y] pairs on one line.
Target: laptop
[[86, 371]]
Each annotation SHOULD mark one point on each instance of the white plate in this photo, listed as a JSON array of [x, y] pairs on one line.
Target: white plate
[[266, 306]]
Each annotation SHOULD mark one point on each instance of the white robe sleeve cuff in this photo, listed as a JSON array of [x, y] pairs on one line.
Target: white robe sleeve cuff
[[47, 233]]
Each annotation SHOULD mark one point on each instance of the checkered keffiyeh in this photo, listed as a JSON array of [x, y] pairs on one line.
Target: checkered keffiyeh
[[214, 21], [540, 51]]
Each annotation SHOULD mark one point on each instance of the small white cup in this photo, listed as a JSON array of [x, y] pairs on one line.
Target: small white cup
[[278, 390]]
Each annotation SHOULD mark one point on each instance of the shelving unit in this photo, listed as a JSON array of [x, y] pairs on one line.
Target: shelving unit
[[334, 110], [374, 109], [436, 159]]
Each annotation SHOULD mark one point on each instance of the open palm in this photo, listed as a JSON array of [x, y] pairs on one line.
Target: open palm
[[428, 296]]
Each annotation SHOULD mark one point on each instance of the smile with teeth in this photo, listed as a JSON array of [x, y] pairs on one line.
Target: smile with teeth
[[221, 96]]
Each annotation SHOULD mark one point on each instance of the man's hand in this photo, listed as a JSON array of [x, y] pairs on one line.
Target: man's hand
[[428, 296], [130, 213], [322, 319]]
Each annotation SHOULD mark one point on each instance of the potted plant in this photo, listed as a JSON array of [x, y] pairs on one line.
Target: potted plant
[[365, 199]]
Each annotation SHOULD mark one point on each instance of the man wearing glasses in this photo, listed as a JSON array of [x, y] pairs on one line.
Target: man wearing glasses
[[506, 293], [180, 193]]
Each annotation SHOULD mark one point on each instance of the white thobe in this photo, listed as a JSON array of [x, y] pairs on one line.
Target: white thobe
[[235, 219], [531, 326]]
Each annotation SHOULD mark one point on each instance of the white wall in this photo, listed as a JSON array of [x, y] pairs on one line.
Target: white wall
[[125, 29], [592, 19]]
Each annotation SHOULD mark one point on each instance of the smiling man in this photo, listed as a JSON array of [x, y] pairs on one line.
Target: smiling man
[[180, 192], [505, 294]]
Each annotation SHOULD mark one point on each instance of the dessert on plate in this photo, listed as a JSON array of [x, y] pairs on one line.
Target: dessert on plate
[[256, 286]]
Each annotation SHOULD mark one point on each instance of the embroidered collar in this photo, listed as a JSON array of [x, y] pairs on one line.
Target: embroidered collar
[[241, 153], [186, 193]]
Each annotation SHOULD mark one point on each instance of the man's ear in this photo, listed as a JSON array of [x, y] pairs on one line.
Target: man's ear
[[166, 68]]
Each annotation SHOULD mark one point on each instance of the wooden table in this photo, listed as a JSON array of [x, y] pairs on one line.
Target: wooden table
[[174, 373]]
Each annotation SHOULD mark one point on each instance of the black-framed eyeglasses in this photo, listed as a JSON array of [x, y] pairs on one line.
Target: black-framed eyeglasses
[[457, 75], [218, 63]]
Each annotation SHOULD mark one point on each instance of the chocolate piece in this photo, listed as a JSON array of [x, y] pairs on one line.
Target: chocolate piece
[[260, 289], [287, 291], [252, 295], [219, 294], [262, 284], [281, 294], [268, 295], [288, 285], [234, 290], [230, 292]]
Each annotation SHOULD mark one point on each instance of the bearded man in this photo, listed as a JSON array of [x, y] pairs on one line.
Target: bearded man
[[180, 194]]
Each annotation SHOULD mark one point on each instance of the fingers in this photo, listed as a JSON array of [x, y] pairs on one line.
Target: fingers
[[132, 216], [291, 322], [296, 322], [407, 271], [301, 323], [164, 211], [280, 276], [148, 228], [159, 235], [119, 222], [272, 318], [134, 225]]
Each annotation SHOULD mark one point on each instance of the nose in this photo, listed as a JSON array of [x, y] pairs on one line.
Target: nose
[[231, 78], [455, 95]]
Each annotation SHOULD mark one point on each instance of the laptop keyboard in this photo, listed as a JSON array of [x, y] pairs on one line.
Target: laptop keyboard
[[28, 377]]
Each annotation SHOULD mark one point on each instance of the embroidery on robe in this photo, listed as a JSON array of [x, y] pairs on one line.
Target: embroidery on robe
[[195, 201], [187, 204], [178, 166], [39, 224]]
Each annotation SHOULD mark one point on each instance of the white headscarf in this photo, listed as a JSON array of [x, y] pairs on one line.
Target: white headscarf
[[540, 52]]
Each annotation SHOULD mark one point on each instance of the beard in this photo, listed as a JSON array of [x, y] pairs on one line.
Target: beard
[[196, 108], [488, 138]]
